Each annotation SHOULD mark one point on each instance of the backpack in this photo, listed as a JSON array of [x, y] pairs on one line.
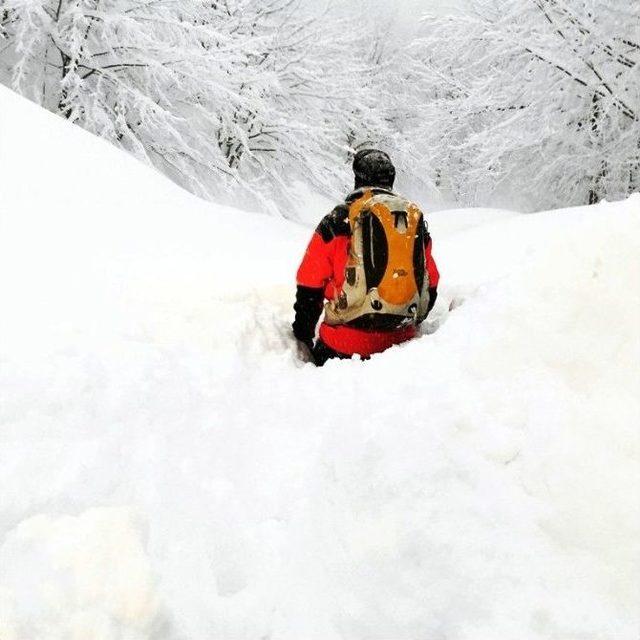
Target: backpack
[[386, 282]]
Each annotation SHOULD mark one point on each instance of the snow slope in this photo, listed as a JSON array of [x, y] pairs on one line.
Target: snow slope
[[170, 470]]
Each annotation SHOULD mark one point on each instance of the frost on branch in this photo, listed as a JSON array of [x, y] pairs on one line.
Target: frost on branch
[[540, 95], [236, 96], [529, 103]]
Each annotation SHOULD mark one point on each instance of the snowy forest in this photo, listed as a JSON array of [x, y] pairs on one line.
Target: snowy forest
[[242, 400], [530, 104]]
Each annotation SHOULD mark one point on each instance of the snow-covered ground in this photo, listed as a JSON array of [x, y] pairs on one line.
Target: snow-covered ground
[[170, 470]]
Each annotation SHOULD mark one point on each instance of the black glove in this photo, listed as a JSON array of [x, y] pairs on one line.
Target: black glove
[[433, 295], [305, 353], [308, 308]]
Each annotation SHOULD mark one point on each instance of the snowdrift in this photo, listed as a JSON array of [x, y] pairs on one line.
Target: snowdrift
[[170, 470]]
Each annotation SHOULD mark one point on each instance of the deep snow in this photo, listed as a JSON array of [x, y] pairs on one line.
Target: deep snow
[[169, 469]]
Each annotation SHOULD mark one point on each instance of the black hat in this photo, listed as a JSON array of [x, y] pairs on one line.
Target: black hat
[[373, 168]]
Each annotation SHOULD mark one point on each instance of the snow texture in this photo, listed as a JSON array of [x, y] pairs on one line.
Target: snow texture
[[170, 470]]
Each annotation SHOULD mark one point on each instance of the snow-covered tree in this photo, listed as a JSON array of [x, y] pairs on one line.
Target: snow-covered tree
[[241, 100], [537, 96], [147, 75], [236, 97]]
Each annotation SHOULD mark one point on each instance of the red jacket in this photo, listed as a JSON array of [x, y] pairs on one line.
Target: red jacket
[[321, 276]]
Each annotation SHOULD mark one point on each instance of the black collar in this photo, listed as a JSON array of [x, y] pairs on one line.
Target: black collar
[[357, 193]]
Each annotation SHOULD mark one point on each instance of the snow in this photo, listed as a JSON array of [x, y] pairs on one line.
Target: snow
[[170, 469]]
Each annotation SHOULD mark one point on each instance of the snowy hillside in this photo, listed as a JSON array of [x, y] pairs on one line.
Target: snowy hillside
[[170, 470]]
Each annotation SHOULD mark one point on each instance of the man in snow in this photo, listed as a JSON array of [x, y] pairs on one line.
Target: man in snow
[[370, 258]]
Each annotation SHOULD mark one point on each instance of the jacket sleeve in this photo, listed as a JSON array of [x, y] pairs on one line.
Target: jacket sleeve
[[432, 270], [314, 272]]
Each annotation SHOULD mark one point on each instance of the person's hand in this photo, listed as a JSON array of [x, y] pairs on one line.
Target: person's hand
[[304, 347], [305, 350]]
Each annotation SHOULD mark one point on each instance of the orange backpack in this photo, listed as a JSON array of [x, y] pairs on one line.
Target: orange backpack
[[386, 283]]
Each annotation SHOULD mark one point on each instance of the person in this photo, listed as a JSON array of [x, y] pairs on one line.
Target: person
[[371, 259]]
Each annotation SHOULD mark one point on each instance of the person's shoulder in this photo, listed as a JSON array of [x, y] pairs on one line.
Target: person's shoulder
[[335, 223]]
